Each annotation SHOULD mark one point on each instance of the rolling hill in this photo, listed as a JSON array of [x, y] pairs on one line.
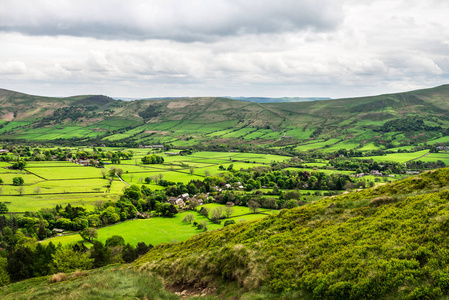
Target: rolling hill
[[384, 121], [387, 242]]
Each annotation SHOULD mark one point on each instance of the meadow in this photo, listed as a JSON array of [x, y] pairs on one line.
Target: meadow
[[163, 230]]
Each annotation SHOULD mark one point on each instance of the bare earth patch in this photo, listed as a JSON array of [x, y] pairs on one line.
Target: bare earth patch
[[8, 116], [178, 104]]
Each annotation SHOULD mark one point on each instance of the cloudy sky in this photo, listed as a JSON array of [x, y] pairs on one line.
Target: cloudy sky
[[271, 48]]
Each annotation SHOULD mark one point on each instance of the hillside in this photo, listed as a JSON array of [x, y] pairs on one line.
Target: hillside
[[379, 122], [389, 242]]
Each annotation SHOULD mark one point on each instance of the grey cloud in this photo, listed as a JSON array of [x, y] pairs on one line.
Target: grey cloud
[[179, 20]]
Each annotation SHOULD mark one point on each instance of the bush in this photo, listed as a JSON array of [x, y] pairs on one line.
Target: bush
[[17, 181], [228, 222]]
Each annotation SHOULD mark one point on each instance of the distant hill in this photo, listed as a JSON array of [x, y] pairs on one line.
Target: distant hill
[[418, 117], [278, 100]]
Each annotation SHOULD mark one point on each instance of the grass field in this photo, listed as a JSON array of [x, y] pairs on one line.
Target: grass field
[[161, 230], [398, 157], [48, 183]]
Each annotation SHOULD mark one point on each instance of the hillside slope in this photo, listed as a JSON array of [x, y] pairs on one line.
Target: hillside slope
[[386, 121], [389, 242]]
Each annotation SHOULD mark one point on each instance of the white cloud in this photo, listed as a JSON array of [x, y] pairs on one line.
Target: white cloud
[[258, 48], [169, 19]]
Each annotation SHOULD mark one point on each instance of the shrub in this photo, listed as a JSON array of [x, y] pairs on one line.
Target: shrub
[[58, 277]]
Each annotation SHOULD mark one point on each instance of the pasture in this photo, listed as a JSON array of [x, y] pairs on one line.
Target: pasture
[[162, 230], [48, 183]]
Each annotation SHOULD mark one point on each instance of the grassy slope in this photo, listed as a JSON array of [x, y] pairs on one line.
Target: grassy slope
[[390, 242], [387, 242], [105, 283]]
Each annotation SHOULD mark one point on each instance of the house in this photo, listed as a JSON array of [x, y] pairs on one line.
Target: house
[[56, 230], [227, 185], [375, 173], [180, 203], [4, 151], [172, 200], [185, 196], [158, 146]]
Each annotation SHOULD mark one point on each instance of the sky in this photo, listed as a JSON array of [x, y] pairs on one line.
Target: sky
[[259, 48]]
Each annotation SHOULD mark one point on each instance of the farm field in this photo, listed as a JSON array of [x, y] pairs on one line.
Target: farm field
[[161, 230], [48, 183], [398, 157], [444, 157]]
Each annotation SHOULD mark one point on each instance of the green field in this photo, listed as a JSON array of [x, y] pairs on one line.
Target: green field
[[161, 230], [398, 157]]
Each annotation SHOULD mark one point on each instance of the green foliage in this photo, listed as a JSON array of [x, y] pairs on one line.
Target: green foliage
[[4, 276], [3, 207], [17, 181], [152, 159], [386, 242], [104, 283], [115, 240], [68, 260], [89, 234]]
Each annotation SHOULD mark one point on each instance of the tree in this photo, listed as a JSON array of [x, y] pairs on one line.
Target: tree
[[37, 190], [129, 253], [89, 234], [228, 211], [20, 190], [189, 218], [147, 180], [4, 276], [68, 260], [17, 181], [216, 214], [253, 206], [115, 240], [192, 170], [204, 211], [203, 225], [142, 248], [20, 263], [228, 222], [193, 204], [3, 208], [100, 254]]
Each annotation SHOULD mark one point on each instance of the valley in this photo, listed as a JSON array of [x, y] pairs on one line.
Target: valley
[[282, 200]]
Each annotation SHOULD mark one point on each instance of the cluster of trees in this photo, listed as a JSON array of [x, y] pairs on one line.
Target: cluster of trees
[[152, 159], [25, 258], [408, 124], [21, 154], [367, 165]]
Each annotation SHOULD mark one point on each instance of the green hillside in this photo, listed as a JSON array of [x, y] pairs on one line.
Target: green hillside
[[389, 242], [385, 121]]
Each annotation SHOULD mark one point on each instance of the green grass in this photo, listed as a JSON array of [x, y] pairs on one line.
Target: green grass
[[398, 157], [158, 230], [444, 139], [110, 282], [444, 157], [37, 202]]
